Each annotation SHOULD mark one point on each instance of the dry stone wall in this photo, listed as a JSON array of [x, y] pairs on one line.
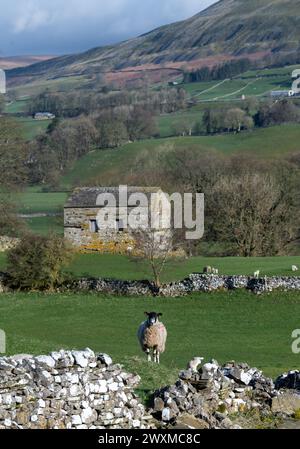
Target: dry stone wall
[[84, 390], [68, 390], [212, 395], [193, 283]]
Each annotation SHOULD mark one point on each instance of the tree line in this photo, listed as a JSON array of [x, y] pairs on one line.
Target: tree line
[[73, 104], [65, 141], [227, 70], [236, 118]]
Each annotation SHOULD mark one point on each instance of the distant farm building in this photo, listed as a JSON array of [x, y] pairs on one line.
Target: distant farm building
[[44, 116], [86, 231], [2, 82]]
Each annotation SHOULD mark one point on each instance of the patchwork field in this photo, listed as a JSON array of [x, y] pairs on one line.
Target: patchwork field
[[252, 83], [224, 326]]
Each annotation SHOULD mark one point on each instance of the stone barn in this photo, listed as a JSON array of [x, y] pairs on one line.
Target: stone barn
[[89, 228]]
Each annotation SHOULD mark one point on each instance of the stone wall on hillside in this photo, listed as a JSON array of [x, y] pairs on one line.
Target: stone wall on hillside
[[68, 390]]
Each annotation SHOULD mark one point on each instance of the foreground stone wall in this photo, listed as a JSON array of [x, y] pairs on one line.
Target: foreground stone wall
[[68, 390], [84, 390], [213, 396]]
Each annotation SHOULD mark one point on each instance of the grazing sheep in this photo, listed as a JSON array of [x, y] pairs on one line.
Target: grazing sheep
[[152, 335], [256, 274], [193, 364], [207, 270], [295, 268], [215, 271]]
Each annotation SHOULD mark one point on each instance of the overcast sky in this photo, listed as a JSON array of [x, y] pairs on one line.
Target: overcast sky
[[66, 26]]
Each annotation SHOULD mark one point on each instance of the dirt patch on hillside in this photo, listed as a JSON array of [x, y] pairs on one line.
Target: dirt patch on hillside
[[156, 73]]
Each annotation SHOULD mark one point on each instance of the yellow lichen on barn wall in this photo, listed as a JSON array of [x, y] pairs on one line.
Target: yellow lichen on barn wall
[[121, 247]]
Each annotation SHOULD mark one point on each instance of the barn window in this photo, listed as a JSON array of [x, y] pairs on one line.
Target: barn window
[[94, 226], [120, 225]]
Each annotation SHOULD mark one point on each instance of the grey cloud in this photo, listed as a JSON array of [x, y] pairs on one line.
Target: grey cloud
[[64, 26]]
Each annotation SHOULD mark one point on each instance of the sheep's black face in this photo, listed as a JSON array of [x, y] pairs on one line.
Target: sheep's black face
[[152, 317]]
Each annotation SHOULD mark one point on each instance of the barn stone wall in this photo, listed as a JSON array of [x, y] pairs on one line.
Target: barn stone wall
[[105, 240]]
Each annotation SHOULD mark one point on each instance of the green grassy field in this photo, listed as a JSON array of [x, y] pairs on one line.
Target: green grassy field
[[224, 326], [121, 267], [16, 106], [167, 122], [31, 127], [34, 201], [235, 88], [252, 83], [58, 84], [45, 225], [106, 164]]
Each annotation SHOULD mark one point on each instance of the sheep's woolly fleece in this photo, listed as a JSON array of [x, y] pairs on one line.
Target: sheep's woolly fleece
[[152, 336]]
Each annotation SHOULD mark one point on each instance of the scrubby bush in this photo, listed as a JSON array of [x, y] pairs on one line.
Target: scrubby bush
[[37, 262]]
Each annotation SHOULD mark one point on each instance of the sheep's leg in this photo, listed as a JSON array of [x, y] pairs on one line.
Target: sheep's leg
[[157, 357], [148, 355]]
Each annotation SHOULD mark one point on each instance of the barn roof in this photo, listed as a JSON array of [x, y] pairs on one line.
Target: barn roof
[[87, 196]]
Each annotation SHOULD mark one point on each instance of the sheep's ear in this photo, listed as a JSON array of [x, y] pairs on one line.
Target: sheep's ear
[[146, 313], [159, 314]]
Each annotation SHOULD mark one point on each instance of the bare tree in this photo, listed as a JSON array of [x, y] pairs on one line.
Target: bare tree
[[155, 249], [253, 212]]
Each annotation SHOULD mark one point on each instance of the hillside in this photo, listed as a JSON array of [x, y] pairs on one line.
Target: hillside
[[12, 62], [229, 28]]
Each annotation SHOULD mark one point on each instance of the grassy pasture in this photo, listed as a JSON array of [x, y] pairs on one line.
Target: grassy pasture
[[250, 83], [16, 106], [224, 326], [106, 164], [31, 127], [58, 84], [34, 201], [45, 225], [120, 267]]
